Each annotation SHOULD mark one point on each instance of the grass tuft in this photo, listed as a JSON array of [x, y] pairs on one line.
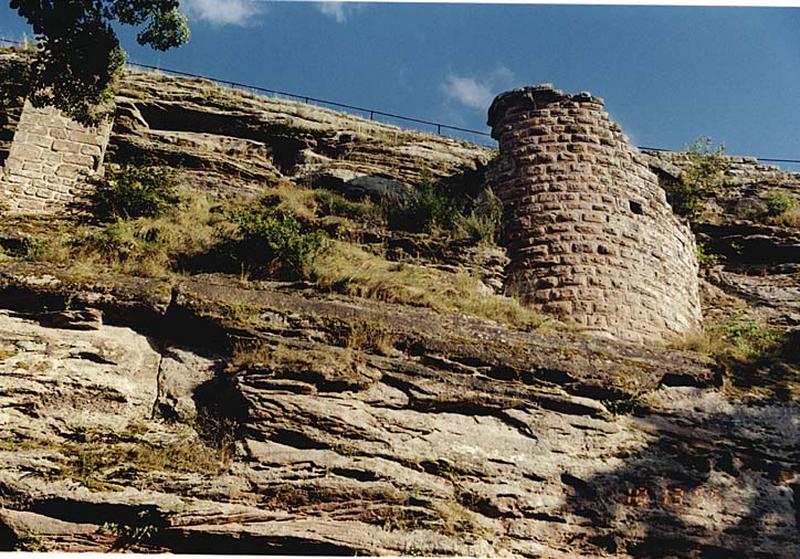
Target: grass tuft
[[353, 271]]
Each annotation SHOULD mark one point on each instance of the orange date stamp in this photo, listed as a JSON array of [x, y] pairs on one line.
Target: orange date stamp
[[670, 496]]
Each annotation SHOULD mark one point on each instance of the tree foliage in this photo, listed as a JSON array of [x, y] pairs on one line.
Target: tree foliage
[[78, 57]]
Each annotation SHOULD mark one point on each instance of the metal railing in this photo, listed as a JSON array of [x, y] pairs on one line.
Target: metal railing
[[440, 127], [369, 113]]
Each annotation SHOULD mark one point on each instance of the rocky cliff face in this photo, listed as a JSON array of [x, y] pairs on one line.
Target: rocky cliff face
[[231, 140], [459, 437], [760, 257], [208, 413]]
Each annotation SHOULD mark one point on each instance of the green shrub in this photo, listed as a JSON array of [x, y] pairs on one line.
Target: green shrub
[[707, 259], [274, 243], [702, 177], [116, 241], [483, 222], [54, 246], [749, 340], [738, 340], [437, 206], [331, 203], [135, 191], [751, 209], [34, 249], [779, 203], [151, 246], [430, 208]]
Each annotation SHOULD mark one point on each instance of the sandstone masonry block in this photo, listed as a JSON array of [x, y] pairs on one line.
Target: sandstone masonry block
[[617, 261], [51, 157]]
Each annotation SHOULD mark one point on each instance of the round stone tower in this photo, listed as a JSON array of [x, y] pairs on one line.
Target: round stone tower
[[590, 234]]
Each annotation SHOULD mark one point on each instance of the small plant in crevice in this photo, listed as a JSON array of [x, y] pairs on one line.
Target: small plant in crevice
[[221, 412], [630, 405], [131, 535], [779, 202], [133, 191], [219, 432], [31, 542], [703, 176], [707, 259]]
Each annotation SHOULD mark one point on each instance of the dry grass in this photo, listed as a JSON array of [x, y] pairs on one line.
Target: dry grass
[[758, 359], [93, 464], [152, 246], [96, 460], [371, 337], [280, 356], [145, 246], [351, 270], [789, 218], [250, 354], [290, 198], [325, 367], [700, 341], [745, 340], [456, 521]]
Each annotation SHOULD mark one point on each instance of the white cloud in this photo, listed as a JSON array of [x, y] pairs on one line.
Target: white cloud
[[468, 91], [477, 93], [222, 12], [503, 75], [339, 11]]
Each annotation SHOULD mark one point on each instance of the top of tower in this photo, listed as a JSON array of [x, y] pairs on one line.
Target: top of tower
[[533, 96]]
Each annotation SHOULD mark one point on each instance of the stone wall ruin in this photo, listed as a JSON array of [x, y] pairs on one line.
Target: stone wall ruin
[[50, 161], [590, 234]]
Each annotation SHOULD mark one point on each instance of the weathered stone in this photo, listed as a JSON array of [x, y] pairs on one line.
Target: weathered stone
[[88, 319], [56, 146], [539, 189], [484, 441]]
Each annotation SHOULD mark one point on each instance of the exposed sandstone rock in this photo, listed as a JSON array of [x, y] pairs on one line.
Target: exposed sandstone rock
[[228, 140], [759, 260], [466, 438], [209, 415]]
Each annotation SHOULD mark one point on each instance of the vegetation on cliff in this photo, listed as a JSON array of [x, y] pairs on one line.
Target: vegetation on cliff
[[142, 221], [702, 176], [228, 360]]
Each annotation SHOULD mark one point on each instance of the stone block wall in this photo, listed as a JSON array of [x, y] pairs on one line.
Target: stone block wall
[[590, 234], [50, 161]]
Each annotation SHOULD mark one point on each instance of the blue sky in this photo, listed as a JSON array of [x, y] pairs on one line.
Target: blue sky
[[667, 74]]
